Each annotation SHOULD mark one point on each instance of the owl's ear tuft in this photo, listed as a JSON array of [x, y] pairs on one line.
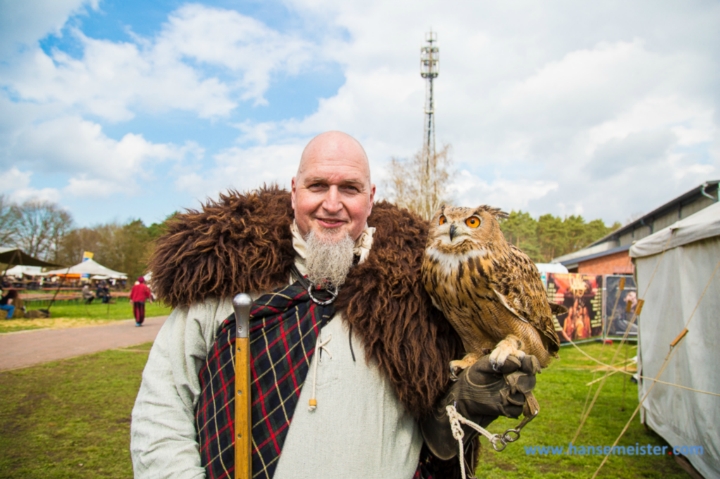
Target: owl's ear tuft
[[496, 212]]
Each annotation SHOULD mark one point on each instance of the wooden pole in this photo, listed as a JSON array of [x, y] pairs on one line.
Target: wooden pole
[[243, 421]]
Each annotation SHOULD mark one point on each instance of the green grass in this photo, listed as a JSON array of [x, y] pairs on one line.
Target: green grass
[[73, 314], [561, 391], [72, 419]]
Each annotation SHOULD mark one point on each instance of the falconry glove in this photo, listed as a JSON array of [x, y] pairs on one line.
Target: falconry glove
[[480, 394]]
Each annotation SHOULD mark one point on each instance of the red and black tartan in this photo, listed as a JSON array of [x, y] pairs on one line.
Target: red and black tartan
[[284, 326]]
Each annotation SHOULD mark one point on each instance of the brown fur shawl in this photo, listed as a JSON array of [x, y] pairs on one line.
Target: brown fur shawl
[[244, 243]]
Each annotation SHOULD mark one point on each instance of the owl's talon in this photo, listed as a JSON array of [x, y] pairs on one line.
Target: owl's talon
[[503, 350], [456, 367]]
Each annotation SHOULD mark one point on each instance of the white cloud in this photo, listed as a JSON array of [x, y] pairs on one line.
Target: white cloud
[[244, 169], [471, 190], [16, 185], [76, 146], [21, 195], [93, 187], [22, 23], [96, 164], [14, 179], [115, 80]]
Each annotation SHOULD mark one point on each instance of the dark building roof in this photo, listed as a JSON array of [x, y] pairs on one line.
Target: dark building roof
[[646, 221], [571, 263], [673, 204]]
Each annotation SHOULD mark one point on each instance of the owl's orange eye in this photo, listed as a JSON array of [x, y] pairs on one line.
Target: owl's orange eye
[[473, 222], [442, 220]]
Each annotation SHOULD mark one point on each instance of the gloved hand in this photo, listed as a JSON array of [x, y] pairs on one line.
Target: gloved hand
[[480, 394]]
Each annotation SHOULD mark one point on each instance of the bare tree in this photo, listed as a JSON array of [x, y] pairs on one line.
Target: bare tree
[[420, 183], [41, 225], [8, 222]]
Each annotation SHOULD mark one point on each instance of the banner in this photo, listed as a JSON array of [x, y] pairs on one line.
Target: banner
[[86, 256], [619, 301], [581, 294]]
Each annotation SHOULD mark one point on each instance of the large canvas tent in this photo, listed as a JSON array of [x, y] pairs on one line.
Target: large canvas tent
[[90, 267], [677, 272]]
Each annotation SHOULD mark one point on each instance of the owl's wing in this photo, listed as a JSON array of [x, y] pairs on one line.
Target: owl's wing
[[518, 285]]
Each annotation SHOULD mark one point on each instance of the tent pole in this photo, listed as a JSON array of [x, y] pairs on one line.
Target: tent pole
[[60, 283]]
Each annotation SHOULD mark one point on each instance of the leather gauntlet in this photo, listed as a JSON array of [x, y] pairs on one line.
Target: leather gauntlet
[[480, 394]]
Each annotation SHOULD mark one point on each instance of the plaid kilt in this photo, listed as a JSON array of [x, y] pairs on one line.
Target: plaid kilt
[[284, 326]]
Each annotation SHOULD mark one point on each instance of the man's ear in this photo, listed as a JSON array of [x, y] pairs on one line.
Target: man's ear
[[293, 186]]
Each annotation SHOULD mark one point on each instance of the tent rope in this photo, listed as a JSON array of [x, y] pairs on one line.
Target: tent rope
[[615, 369], [622, 342], [665, 363]]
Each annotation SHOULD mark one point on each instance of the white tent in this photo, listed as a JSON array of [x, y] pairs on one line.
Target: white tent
[[673, 268], [89, 267], [19, 271]]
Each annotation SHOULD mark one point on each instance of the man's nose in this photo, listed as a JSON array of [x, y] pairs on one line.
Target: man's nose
[[332, 203]]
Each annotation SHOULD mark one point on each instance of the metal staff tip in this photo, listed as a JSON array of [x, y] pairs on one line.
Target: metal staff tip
[[241, 304]]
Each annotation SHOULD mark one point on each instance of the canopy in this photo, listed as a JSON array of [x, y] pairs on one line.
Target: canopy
[[89, 266], [16, 256]]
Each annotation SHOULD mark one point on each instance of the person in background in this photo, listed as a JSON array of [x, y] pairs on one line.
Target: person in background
[[6, 303], [138, 295], [87, 294], [99, 292]]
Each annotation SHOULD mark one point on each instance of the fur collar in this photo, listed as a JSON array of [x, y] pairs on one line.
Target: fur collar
[[243, 242]]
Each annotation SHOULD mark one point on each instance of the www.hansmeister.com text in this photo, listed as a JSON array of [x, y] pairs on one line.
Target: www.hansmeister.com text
[[635, 450]]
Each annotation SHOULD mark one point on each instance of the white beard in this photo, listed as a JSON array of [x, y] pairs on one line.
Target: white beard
[[328, 260]]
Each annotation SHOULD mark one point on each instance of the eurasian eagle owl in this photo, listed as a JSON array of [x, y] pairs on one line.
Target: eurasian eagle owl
[[489, 290]]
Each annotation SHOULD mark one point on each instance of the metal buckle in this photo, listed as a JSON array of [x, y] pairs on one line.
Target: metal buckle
[[333, 295]]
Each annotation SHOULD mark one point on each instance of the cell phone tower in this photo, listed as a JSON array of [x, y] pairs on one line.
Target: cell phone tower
[[429, 70]]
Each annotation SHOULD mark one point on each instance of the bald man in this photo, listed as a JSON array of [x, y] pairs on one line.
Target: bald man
[[349, 358]]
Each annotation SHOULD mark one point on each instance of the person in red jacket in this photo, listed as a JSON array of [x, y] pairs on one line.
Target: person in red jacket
[[138, 295]]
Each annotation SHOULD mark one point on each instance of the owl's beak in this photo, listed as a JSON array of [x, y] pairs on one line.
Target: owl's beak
[[453, 228]]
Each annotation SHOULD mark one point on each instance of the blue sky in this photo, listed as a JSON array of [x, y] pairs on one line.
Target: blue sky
[[119, 110]]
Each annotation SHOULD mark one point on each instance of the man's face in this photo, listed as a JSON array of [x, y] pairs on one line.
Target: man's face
[[332, 194]]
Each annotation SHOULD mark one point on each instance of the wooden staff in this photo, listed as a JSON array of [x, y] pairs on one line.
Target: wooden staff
[[243, 422]]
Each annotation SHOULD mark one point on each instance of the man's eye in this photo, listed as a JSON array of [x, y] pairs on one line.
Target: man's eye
[[353, 189]]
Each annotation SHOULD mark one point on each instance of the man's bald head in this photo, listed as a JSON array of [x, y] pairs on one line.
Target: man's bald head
[[332, 194], [334, 144]]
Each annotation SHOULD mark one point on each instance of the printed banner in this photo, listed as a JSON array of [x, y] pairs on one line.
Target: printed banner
[[581, 294], [619, 303]]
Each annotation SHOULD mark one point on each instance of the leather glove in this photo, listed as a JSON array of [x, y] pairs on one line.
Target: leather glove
[[480, 394]]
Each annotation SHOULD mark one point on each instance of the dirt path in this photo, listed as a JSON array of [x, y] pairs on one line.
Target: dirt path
[[28, 348]]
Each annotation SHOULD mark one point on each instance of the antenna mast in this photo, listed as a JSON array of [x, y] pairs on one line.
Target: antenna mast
[[429, 70]]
